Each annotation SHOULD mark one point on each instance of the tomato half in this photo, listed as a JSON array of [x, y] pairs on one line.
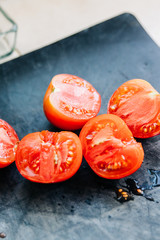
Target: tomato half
[[138, 104], [48, 157], [109, 147], [70, 102], [8, 144]]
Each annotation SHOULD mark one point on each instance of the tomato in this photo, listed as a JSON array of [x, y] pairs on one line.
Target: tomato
[[70, 102], [8, 144], [48, 157], [109, 147], [138, 104]]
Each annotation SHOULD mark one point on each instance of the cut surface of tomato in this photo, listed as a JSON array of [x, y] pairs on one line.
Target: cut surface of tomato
[[70, 102], [48, 157], [109, 147], [138, 104], [8, 144]]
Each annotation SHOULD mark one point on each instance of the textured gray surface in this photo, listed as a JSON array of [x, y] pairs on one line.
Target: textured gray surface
[[83, 207]]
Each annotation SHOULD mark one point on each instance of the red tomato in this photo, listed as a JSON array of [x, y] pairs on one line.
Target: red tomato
[[70, 102], [49, 157], [138, 104], [109, 147], [8, 144]]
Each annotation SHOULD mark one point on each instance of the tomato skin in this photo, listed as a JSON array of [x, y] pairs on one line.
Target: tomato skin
[[109, 147], [138, 104], [8, 144], [48, 157], [75, 110]]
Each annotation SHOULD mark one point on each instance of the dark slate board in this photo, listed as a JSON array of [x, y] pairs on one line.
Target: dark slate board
[[83, 207]]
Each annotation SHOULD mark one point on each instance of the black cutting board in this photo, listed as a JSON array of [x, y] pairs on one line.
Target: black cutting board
[[83, 207]]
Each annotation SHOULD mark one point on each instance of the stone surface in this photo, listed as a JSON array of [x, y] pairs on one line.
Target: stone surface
[[83, 207]]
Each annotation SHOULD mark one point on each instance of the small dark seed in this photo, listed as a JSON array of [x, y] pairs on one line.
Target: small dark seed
[[2, 235]]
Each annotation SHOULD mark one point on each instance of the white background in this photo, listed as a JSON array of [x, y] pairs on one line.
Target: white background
[[41, 22]]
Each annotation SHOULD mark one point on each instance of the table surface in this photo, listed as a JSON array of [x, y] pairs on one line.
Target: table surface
[[84, 207], [43, 22]]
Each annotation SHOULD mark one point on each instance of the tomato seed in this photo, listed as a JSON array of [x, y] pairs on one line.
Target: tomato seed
[[67, 107], [115, 165], [37, 169], [158, 123], [112, 125], [123, 157], [78, 111], [155, 125], [68, 163], [71, 148], [109, 167], [70, 108], [124, 164], [70, 153], [119, 164], [102, 165], [145, 130], [69, 159], [125, 89], [94, 133], [125, 195], [124, 192], [113, 107], [89, 137]]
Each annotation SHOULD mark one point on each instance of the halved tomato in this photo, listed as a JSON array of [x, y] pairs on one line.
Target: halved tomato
[[109, 147], [138, 104], [70, 102], [48, 157], [8, 144]]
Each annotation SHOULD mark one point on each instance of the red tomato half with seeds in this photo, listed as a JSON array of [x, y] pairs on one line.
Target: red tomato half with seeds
[[138, 104], [48, 157], [70, 102], [8, 144], [109, 147]]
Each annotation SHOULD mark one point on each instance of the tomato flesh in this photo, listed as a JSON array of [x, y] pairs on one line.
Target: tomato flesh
[[70, 102], [138, 104], [8, 144], [109, 147], [48, 157]]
